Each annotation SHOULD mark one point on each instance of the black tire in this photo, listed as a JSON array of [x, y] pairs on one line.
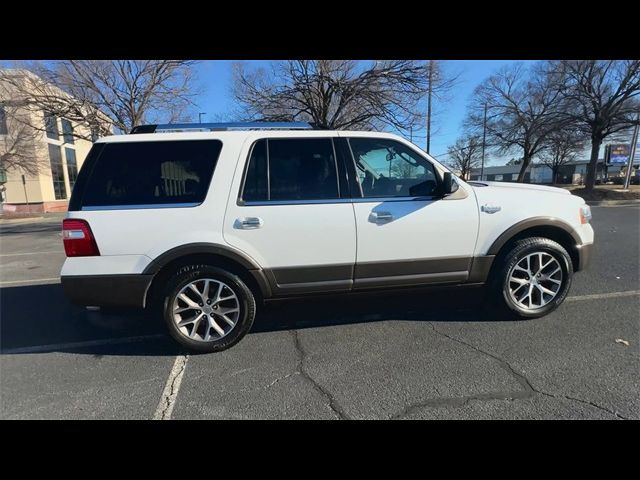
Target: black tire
[[246, 302], [500, 297]]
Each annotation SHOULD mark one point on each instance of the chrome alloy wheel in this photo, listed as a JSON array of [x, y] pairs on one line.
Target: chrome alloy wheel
[[206, 310], [535, 280]]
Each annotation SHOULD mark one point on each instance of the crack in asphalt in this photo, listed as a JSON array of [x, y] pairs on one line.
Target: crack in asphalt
[[527, 390], [335, 408]]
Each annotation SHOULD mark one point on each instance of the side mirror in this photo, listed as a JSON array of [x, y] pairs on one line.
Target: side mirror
[[449, 185]]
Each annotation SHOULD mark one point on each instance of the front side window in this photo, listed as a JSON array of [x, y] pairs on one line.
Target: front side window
[[51, 126], [57, 172], [151, 173], [72, 166], [291, 169], [67, 131], [386, 168]]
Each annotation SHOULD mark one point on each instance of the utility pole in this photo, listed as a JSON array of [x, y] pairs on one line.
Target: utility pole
[[429, 92], [484, 139], [632, 153]]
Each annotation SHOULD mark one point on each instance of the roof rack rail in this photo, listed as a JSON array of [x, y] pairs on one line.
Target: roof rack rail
[[217, 127]]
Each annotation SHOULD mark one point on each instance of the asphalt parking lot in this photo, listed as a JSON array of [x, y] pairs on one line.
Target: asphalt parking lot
[[420, 356]]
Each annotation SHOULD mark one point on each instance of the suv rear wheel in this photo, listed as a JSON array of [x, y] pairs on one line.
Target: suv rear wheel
[[207, 309], [533, 278]]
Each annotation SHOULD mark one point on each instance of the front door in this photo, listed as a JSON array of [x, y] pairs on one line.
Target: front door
[[293, 216], [407, 234]]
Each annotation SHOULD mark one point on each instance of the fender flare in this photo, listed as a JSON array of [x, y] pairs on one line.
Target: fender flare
[[215, 249], [523, 225]]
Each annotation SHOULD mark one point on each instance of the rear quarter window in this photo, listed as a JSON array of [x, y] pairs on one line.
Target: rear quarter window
[[171, 173]]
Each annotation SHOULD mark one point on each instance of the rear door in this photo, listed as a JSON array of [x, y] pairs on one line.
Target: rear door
[[290, 211], [407, 233]]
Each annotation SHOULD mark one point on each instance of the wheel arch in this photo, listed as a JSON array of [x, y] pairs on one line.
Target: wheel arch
[[211, 254], [547, 227]]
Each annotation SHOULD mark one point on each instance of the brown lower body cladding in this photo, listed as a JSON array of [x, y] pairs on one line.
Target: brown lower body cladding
[[39, 207]]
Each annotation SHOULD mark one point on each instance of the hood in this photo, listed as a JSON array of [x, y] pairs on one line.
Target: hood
[[518, 186]]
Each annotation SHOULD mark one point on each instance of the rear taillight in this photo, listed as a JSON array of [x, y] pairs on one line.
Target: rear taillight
[[78, 239]]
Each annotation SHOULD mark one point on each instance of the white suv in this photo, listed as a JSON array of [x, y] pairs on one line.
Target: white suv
[[206, 221]]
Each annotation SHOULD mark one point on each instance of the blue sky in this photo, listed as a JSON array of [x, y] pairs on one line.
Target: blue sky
[[214, 77]]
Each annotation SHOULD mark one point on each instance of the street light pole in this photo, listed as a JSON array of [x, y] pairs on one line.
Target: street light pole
[[484, 139], [632, 153], [200, 116]]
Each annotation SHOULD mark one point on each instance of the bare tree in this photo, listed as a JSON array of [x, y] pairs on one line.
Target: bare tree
[[18, 146], [128, 92], [333, 94], [603, 99], [524, 106], [438, 86], [465, 154], [562, 147]]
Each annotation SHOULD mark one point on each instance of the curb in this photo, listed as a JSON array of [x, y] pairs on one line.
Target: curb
[[605, 203]]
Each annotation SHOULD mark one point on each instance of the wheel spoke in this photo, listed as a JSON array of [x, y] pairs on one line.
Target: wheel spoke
[[182, 309], [183, 323], [228, 320], [188, 301], [216, 327], [546, 290], [521, 281], [196, 324], [193, 288], [205, 292]]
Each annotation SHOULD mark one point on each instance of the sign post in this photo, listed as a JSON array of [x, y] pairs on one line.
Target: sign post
[[24, 185], [632, 153]]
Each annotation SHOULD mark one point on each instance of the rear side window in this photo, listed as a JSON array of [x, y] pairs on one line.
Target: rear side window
[[149, 173], [291, 169]]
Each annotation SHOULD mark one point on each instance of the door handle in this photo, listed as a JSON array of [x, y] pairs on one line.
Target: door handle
[[380, 217], [248, 223]]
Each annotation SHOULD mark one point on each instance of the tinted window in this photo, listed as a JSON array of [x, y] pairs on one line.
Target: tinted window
[[255, 184], [57, 172], [152, 173], [387, 168], [51, 126], [67, 131], [292, 169]]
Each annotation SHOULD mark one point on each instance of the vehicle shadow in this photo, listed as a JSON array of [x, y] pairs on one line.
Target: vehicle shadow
[[38, 319]]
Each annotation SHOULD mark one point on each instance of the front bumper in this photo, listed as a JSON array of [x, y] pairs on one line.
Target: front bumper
[[107, 290], [584, 255]]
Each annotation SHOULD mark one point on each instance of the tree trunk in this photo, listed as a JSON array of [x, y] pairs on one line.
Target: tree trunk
[[523, 168], [554, 173], [593, 163]]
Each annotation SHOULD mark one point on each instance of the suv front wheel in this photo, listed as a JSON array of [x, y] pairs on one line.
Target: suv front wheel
[[207, 309], [533, 278]]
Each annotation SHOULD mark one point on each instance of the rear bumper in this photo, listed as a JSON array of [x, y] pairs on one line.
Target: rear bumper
[[107, 290], [584, 255]]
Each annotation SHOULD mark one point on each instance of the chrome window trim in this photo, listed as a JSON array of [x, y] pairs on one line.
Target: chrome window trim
[[336, 200], [148, 206]]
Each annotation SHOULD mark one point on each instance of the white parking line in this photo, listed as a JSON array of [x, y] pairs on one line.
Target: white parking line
[[171, 388], [34, 281], [73, 345], [596, 296], [31, 253]]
